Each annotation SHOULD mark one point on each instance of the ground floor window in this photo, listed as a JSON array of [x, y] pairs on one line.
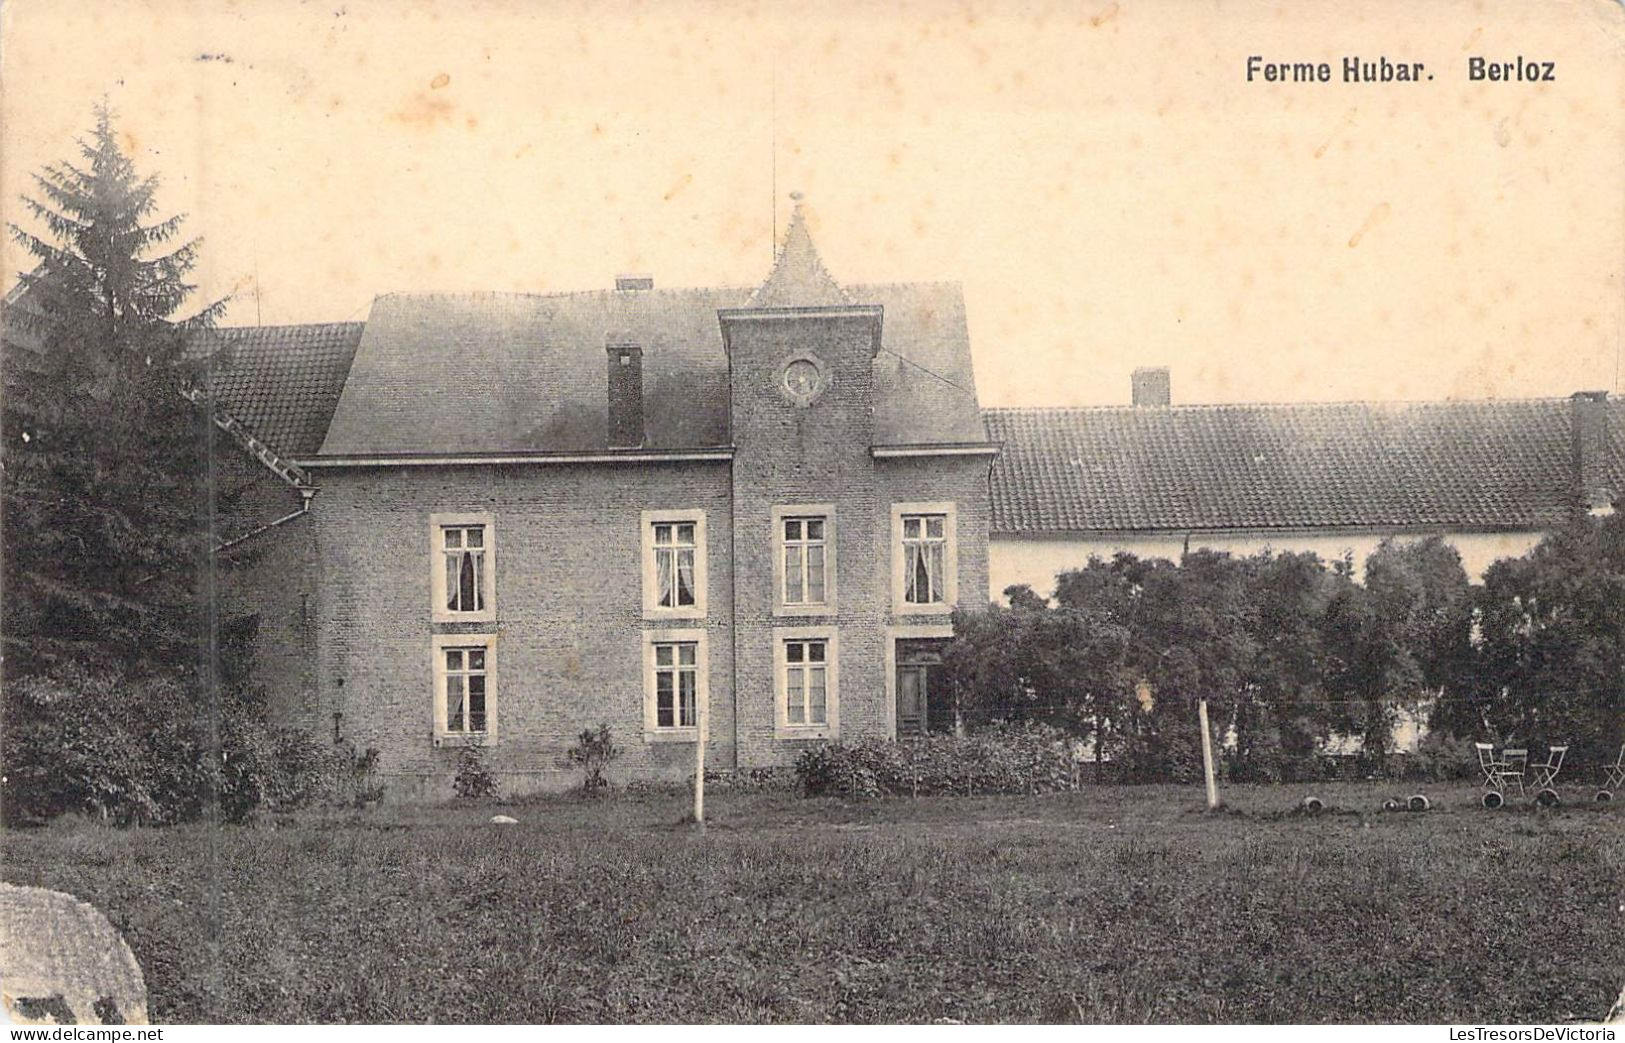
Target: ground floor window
[[465, 687], [806, 682], [805, 669], [675, 684]]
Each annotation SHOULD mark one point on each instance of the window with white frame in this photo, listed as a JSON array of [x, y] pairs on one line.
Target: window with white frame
[[675, 684], [674, 563], [805, 662], [463, 567], [806, 682], [465, 687], [804, 559], [925, 564]]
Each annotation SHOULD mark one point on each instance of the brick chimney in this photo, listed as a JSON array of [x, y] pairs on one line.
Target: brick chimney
[[1151, 386], [625, 394], [1592, 441]]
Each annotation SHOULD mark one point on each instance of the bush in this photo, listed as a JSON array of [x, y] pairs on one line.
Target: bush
[[1438, 758], [1030, 758], [473, 780], [138, 752], [592, 753]]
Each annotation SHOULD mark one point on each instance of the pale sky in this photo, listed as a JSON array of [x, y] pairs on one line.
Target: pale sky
[[1100, 176]]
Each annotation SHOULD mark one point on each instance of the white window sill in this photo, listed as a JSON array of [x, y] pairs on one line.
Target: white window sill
[[803, 610], [809, 731], [909, 608], [696, 612], [487, 616], [465, 739], [672, 735]]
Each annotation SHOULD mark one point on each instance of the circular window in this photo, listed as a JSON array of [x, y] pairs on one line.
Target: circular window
[[803, 380]]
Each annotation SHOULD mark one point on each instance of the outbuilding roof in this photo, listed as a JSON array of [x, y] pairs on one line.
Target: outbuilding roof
[[283, 382], [1471, 465]]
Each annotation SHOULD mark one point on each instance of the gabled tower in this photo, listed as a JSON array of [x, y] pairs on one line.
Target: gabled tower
[[802, 382]]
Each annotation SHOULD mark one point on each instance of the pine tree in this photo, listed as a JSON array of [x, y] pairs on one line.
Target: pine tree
[[106, 518]]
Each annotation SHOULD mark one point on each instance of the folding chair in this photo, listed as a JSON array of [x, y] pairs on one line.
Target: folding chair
[[1489, 765], [1513, 761], [1545, 775], [1616, 771]]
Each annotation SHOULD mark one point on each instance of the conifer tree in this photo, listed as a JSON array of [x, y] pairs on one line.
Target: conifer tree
[[106, 518]]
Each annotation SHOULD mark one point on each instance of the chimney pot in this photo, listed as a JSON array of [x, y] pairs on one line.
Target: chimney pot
[[1151, 386]]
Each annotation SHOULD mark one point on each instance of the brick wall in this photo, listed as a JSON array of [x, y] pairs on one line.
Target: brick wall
[[569, 611], [799, 454], [270, 577], [788, 453]]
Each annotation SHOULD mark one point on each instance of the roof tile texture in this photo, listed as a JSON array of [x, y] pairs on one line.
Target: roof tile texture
[[1506, 464]]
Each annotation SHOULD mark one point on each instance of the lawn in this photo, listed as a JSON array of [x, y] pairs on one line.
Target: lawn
[[1110, 905]]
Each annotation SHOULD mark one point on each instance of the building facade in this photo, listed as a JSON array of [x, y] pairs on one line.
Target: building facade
[[520, 517], [504, 519]]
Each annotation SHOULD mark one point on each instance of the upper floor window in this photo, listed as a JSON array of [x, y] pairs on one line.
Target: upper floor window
[[674, 563], [804, 561], [465, 687], [925, 557], [464, 567]]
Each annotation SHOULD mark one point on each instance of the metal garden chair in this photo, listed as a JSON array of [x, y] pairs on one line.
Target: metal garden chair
[[1489, 765], [1513, 761], [1545, 775], [1615, 771]]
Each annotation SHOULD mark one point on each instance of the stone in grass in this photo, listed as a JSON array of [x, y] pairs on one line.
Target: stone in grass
[[503, 820], [62, 962], [1312, 805]]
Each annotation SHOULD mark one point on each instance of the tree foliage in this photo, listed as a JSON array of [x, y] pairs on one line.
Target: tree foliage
[[124, 690], [1291, 653], [105, 463], [1549, 663]]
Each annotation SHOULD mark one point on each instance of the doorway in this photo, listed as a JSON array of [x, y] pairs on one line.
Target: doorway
[[920, 705]]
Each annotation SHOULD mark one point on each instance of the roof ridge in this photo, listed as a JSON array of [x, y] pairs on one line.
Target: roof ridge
[[1219, 406], [285, 325]]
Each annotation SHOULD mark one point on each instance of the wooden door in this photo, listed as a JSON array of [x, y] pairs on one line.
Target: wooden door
[[912, 698]]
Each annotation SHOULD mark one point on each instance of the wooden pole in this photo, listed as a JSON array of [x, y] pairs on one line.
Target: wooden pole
[[699, 765], [1207, 757]]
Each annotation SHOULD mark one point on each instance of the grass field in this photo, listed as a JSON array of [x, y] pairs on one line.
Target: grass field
[[1110, 905]]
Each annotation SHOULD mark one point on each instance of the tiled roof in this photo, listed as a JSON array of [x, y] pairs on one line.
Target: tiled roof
[[282, 382], [1490, 465], [501, 372]]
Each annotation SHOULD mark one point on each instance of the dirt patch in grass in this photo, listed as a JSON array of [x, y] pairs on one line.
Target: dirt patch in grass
[[1121, 904]]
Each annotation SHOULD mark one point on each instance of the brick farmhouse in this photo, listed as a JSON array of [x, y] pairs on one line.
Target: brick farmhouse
[[506, 518]]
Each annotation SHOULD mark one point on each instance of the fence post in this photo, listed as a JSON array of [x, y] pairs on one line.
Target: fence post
[[699, 764], [1207, 757]]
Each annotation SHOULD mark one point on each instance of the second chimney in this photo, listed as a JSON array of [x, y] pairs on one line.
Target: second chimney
[[625, 395], [1151, 386], [1592, 448]]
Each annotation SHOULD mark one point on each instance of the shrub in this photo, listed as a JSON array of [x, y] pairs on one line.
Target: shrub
[[592, 753], [135, 751], [473, 780], [1438, 758], [1029, 758]]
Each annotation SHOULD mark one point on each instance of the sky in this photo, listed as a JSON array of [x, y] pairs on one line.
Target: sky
[[1100, 176]]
